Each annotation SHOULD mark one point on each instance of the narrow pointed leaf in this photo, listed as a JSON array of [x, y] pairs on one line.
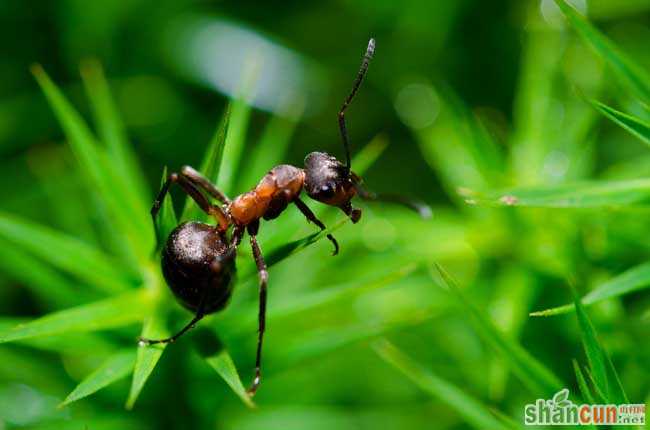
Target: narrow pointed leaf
[[66, 253], [636, 126], [269, 151], [470, 409], [235, 141], [116, 367], [632, 280], [588, 194], [112, 132], [593, 350], [628, 72], [94, 163], [211, 164], [114, 312], [148, 355], [216, 355], [166, 220], [582, 383], [527, 368]]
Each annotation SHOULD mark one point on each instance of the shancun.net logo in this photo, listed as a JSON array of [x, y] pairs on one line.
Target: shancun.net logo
[[561, 411]]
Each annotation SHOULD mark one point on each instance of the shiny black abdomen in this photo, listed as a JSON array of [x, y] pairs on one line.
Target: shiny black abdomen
[[198, 264]]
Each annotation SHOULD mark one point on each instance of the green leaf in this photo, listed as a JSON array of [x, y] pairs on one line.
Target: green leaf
[[529, 370], [116, 367], [269, 151], [66, 253], [593, 350], [588, 194], [628, 72], [50, 287], [112, 133], [166, 220], [582, 383], [235, 142], [634, 279], [211, 164], [470, 409], [100, 175], [114, 312], [148, 355], [636, 126], [216, 355]]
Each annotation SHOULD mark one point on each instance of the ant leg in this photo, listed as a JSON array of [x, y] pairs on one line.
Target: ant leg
[[370, 51], [195, 194], [145, 342], [312, 217], [353, 213], [421, 208], [204, 183], [264, 276]]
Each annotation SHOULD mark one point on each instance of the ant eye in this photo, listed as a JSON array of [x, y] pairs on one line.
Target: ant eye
[[327, 191]]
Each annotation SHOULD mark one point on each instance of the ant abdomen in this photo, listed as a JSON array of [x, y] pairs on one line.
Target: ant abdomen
[[198, 265]]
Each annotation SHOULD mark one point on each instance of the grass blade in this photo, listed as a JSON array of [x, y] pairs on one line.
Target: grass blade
[[588, 194], [112, 132], [235, 140], [593, 350], [628, 72], [50, 287], [114, 368], [94, 164], [582, 383], [637, 127], [269, 151], [632, 280], [531, 372], [473, 412], [66, 253], [148, 355], [166, 220], [113, 312], [216, 355], [211, 164]]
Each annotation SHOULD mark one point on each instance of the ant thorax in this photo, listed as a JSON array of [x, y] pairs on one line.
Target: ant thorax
[[270, 197]]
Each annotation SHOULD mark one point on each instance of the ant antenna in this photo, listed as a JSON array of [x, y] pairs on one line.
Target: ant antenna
[[357, 83]]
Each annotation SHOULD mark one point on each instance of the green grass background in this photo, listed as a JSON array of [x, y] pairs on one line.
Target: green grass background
[[524, 124]]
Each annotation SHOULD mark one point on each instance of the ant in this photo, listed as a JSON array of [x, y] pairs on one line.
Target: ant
[[198, 260]]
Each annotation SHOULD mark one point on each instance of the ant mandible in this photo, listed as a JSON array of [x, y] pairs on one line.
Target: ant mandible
[[198, 260]]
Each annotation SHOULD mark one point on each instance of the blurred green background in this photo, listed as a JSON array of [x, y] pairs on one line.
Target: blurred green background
[[463, 99]]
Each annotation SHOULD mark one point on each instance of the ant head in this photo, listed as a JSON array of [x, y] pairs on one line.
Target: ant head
[[331, 182]]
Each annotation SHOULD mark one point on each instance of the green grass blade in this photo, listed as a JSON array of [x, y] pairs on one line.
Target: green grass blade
[[582, 383], [114, 312], [112, 132], [529, 370], [593, 350], [148, 355], [471, 410], [235, 141], [100, 175], [116, 367], [216, 355], [632, 280], [288, 249], [588, 194], [211, 164], [616, 386], [269, 151], [628, 72], [48, 285], [66, 253], [636, 126], [166, 220]]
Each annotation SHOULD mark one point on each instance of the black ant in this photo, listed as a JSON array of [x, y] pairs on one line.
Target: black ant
[[198, 260]]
